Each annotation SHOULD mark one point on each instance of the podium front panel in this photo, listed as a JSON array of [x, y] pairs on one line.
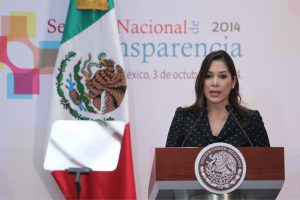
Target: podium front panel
[[173, 175]]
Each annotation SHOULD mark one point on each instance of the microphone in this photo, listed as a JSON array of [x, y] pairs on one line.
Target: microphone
[[190, 131], [229, 109]]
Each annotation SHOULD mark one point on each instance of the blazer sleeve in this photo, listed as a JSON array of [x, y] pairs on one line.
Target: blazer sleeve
[[175, 137], [259, 135]]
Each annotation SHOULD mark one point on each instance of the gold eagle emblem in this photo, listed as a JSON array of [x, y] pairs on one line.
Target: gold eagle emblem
[[94, 87], [108, 83]]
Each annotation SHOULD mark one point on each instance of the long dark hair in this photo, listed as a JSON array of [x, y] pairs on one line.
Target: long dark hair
[[234, 96]]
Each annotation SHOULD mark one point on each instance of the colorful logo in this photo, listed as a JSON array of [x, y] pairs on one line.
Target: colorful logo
[[24, 81]]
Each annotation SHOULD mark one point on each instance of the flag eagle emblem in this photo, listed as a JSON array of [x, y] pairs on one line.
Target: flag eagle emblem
[[93, 87]]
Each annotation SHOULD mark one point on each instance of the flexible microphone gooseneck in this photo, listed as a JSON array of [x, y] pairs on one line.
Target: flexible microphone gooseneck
[[190, 131], [229, 109]]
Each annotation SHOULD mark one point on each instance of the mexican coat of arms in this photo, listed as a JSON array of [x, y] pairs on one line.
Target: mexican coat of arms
[[91, 87]]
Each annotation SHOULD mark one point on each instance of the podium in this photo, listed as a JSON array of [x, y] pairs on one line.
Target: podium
[[173, 175]]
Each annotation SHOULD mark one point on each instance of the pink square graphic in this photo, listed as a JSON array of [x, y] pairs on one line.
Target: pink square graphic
[[294, 7], [26, 81]]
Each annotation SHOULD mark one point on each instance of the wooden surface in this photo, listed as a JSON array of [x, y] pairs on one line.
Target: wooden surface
[[172, 166], [177, 164]]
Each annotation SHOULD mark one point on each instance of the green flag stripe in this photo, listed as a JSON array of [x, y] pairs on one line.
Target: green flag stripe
[[79, 20]]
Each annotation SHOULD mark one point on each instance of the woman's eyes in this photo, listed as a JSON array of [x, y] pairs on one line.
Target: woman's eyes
[[207, 76], [221, 76]]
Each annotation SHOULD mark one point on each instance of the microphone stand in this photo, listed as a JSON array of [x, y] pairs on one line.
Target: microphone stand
[[78, 172], [191, 129], [228, 108]]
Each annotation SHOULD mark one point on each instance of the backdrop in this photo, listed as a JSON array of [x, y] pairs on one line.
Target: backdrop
[[163, 44]]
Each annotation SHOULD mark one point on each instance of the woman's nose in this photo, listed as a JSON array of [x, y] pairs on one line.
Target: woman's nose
[[215, 81]]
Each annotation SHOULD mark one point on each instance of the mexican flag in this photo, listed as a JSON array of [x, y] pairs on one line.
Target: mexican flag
[[90, 85]]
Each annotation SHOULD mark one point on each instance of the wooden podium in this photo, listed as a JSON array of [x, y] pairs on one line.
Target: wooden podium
[[173, 175]]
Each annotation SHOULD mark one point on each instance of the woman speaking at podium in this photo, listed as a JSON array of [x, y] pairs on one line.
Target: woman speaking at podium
[[217, 114]]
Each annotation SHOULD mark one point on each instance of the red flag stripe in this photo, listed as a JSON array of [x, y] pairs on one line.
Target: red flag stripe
[[118, 184]]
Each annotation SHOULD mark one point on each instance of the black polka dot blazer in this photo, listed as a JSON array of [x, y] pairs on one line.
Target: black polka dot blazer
[[192, 129]]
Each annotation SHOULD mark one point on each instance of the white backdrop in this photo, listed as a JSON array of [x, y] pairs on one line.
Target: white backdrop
[[262, 37]]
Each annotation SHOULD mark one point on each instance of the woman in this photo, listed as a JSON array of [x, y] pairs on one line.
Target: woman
[[217, 114]]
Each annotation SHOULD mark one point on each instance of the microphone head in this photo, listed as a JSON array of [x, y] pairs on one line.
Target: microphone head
[[228, 107], [203, 109]]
